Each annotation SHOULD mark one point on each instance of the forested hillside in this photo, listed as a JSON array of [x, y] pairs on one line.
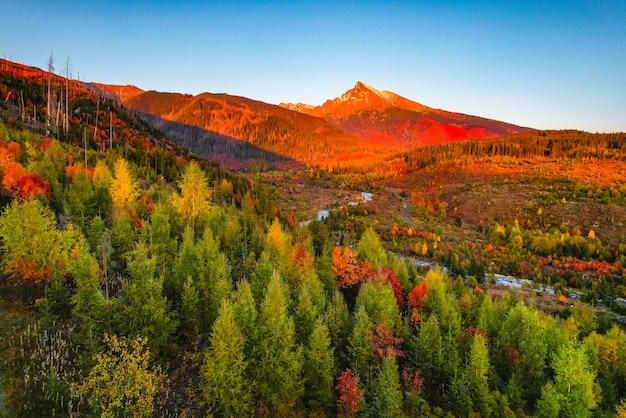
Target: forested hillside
[[214, 307], [138, 280], [221, 126]]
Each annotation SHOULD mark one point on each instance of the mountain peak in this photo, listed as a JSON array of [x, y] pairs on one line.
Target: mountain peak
[[383, 94]]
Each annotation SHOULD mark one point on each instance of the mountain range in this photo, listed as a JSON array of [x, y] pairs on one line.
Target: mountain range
[[237, 131], [384, 117]]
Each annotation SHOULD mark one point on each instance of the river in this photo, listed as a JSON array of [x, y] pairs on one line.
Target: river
[[364, 197]]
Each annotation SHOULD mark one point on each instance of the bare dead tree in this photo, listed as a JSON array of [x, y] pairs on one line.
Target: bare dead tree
[[50, 70], [95, 129], [23, 107], [110, 130], [66, 120]]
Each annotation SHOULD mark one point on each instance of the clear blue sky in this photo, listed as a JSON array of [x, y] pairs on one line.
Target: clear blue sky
[[546, 64]]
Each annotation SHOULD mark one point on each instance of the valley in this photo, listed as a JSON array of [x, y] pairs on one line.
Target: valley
[[163, 254]]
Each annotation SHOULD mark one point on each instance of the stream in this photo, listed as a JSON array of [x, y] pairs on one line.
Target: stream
[[364, 197]]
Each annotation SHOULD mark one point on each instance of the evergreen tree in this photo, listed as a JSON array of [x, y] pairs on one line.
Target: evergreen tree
[[190, 308], [574, 381], [318, 368], [279, 358], [477, 371], [426, 354], [370, 248], [158, 233], [305, 315], [188, 264], [123, 240], [388, 392], [380, 303], [337, 318], [246, 317], [549, 404], [359, 345], [147, 312], [88, 300], [226, 387]]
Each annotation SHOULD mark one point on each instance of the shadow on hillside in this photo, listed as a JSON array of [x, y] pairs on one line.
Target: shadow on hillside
[[229, 152]]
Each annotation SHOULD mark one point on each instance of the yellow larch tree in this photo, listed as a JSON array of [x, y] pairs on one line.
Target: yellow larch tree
[[193, 200], [124, 188]]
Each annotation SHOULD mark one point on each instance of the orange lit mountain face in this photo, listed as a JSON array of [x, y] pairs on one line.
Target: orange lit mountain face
[[292, 134], [382, 117], [115, 92]]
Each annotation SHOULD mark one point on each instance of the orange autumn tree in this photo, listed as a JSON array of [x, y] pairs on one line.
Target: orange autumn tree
[[416, 300], [349, 271], [350, 395], [384, 342], [16, 181]]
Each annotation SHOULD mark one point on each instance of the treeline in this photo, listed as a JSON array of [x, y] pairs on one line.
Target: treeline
[[124, 295], [526, 145]]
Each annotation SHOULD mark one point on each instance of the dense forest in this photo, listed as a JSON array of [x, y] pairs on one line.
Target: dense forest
[[125, 296], [138, 280]]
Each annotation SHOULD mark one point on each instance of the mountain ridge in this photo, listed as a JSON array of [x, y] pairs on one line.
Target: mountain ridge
[[296, 135], [381, 116]]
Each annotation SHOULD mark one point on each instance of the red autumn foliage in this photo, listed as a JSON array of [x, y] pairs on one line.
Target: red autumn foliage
[[413, 382], [302, 257], [470, 332], [384, 342], [392, 280], [32, 185], [348, 270], [417, 295], [17, 182], [349, 394]]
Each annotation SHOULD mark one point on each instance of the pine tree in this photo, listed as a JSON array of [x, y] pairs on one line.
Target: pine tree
[[388, 392], [226, 387], [305, 315], [147, 312], [88, 300], [246, 317], [477, 371], [359, 345], [337, 318], [279, 358], [318, 368], [190, 307], [188, 264]]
